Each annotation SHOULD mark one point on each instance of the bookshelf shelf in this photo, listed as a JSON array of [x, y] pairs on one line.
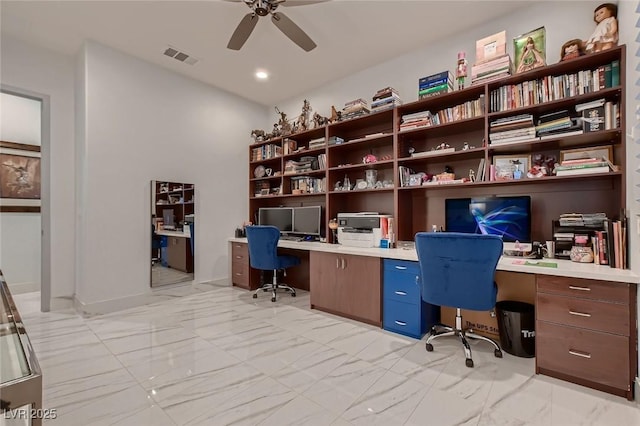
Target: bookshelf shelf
[[417, 208]]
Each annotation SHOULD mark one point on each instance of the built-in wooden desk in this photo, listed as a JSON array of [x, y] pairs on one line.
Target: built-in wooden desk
[[179, 254], [586, 329]]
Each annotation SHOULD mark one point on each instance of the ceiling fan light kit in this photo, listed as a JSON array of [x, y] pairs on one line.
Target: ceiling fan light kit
[[280, 20]]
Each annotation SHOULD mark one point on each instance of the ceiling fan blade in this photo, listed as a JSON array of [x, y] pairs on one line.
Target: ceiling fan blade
[[243, 31], [289, 3], [291, 30]]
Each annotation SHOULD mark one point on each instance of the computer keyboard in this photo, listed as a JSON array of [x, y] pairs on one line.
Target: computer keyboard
[[291, 238]]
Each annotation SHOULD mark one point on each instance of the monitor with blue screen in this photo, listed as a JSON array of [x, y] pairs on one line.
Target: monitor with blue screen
[[509, 217]]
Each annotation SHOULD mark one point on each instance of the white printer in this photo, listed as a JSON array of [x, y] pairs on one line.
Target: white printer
[[363, 229]]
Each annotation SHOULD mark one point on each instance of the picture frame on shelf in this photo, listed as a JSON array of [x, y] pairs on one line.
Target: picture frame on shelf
[[530, 50], [20, 177], [605, 152], [511, 167], [491, 47]]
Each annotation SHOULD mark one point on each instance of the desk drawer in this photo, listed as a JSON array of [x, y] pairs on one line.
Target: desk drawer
[[239, 253], [401, 281], [599, 357], [588, 289], [403, 318], [584, 313], [240, 274]]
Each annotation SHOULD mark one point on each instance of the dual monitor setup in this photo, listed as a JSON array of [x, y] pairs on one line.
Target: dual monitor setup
[[509, 217], [297, 222]]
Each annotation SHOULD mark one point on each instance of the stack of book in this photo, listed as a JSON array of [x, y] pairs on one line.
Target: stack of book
[[317, 143], [384, 99], [583, 166], [589, 220], [493, 69], [435, 84], [416, 120], [557, 124], [517, 128], [599, 115], [303, 165], [355, 108]]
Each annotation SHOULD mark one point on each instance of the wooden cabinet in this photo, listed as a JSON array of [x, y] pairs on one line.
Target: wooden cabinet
[[346, 285], [179, 254], [240, 268], [467, 118], [586, 332]]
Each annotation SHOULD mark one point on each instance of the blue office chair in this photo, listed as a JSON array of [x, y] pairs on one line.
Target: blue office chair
[[263, 255], [156, 245], [458, 271]]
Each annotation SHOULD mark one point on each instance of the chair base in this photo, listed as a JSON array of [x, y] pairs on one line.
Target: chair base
[[443, 331], [273, 286]]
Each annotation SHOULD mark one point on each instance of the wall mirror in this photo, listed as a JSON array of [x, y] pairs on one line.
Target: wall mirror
[[172, 232]]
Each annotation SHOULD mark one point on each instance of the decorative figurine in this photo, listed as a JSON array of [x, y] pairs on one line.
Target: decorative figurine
[[257, 134], [461, 70], [605, 36], [335, 115], [472, 175], [319, 120], [517, 173], [303, 118], [571, 49]]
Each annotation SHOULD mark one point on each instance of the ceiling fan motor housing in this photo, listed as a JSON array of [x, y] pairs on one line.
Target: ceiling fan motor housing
[[262, 8]]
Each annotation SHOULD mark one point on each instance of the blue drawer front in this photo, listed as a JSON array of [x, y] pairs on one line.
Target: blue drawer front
[[402, 281], [402, 265], [403, 318]]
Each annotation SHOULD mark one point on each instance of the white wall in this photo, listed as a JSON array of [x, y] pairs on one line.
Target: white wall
[[32, 68], [568, 20], [142, 123], [20, 245]]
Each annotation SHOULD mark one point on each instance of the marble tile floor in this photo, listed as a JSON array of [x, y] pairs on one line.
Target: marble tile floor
[[212, 355]]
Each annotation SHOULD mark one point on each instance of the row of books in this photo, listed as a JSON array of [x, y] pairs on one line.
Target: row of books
[[308, 185], [463, 111], [551, 88], [266, 152], [610, 244], [385, 98], [435, 84]]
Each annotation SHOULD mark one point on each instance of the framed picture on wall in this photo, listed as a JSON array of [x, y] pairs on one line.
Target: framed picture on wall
[[20, 182]]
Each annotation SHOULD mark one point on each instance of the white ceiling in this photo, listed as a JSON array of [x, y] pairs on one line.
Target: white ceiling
[[351, 35]]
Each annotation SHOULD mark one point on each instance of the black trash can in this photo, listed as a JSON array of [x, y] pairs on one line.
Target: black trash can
[[516, 324]]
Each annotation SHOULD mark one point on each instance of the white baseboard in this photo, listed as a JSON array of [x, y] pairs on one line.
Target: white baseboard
[[637, 390], [21, 288]]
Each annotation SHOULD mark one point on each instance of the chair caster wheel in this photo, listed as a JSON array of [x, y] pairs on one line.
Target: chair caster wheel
[[293, 295], [469, 363], [273, 299], [264, 290], [429, 347], [255, 296], [497, 353]]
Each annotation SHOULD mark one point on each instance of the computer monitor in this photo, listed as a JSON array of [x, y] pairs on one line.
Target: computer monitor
[[307, 220], [168, 219], [509, 217], [280, 217]]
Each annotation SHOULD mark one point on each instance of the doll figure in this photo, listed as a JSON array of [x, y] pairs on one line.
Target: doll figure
[[531, 57], [571, 49], [605, 35]]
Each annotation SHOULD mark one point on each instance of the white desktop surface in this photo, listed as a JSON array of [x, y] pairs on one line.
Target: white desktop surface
[[566, 268], [173, 234]]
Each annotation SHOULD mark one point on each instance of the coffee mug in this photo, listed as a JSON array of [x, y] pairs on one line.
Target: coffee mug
[[268, 171], [551, 249]]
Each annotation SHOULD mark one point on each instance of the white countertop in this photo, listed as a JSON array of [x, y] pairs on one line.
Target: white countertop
[[176, 234], [566, 268]]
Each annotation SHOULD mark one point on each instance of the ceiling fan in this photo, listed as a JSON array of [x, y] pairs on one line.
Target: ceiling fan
[[284, 24]]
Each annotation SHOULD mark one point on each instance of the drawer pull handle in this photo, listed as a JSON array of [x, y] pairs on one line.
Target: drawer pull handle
[[580, 314], [401, 293], [400, 323], [572, 287], [580, 354], [238, 257], [402, 268], [238, 273]]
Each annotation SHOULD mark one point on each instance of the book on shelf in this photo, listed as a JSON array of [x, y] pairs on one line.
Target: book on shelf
[[583, 171], [593, 119], [561, 134], [590, 104], [430, 153]]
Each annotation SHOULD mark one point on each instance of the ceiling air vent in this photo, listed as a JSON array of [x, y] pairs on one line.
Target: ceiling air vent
[[180, 56]]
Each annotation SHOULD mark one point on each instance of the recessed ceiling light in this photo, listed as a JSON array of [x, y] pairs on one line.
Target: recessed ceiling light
[[262, 75]]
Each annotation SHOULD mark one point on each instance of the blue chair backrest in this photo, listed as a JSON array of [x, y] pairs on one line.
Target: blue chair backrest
[[458, 270], [263, 246]]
